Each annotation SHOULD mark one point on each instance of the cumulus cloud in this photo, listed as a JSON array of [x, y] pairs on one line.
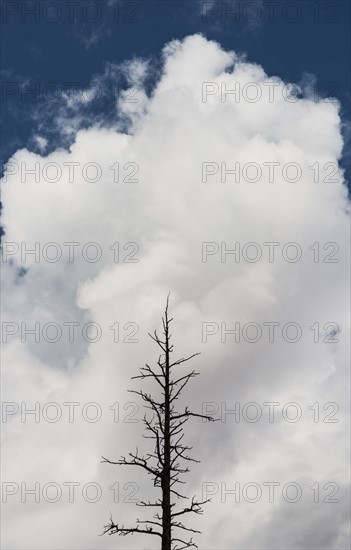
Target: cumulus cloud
[[161, 191]]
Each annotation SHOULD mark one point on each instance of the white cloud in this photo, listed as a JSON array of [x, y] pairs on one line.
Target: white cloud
[[168, 214]]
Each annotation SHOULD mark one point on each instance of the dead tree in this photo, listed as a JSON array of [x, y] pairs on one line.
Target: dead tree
[[167, 463]]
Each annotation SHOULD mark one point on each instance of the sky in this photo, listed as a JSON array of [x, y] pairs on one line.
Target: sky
[[47, 45], [201, 149]]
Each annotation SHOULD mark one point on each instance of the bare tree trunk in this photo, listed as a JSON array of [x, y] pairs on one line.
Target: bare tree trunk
[[166, 480], [164, 464]]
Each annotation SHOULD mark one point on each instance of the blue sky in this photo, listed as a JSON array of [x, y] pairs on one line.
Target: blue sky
[[294, 40]]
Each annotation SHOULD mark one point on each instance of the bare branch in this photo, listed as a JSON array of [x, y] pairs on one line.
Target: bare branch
[[165, 426]]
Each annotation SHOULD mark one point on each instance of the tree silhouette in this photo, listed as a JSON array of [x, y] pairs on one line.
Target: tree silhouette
[[166, 463]]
